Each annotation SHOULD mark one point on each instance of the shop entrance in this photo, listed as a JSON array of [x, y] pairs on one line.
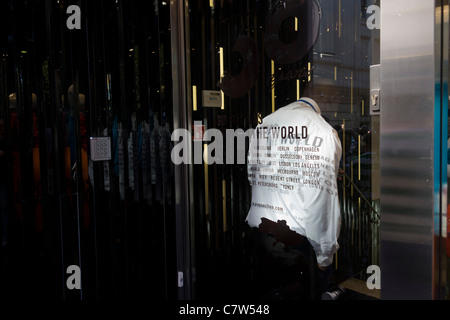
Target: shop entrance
[[245, 60]]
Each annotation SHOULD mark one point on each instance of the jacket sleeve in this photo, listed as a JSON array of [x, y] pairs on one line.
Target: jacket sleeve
[[322, 209]]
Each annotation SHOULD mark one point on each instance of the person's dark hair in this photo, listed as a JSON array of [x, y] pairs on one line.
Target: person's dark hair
[[337, 127], [363, 130]]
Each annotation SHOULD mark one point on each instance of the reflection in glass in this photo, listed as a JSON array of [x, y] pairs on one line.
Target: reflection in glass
[[273, 54]]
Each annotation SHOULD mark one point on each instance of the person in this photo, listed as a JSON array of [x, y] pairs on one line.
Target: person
[[3, 184], [364, 130], [358, 198], [294, 217]]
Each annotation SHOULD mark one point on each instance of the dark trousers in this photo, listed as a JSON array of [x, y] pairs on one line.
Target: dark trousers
[[284, 264]]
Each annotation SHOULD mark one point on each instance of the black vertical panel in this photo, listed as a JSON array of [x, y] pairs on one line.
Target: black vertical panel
[[65, 209]]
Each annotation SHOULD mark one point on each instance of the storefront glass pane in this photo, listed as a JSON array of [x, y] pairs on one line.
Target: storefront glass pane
[[248, 59]]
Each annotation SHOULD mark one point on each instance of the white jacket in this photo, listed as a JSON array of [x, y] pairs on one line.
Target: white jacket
[[293, 163]]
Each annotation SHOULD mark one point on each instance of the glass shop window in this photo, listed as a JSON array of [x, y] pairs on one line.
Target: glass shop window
[[247, 61]]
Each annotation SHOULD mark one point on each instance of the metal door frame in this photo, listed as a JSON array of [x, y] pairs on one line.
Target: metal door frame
[[414, 60], [182, 172]]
